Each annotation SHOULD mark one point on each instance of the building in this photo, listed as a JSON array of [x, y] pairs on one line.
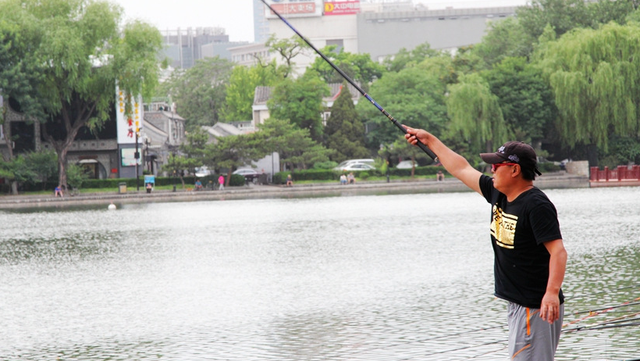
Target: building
[[184, 46], [101, 153], [379, 28]]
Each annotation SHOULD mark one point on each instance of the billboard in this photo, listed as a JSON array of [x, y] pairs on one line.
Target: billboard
[[294, 8], [348, 7], [128, 125]]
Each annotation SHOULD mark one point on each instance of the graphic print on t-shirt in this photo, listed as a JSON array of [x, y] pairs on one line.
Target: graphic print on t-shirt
[[503, 227]]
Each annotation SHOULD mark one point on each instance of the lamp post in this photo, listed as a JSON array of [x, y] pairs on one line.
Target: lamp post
[[136, 155]]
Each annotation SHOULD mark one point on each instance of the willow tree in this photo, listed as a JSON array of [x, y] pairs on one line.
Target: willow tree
[[475, 114], [595, 75], [86, 51]]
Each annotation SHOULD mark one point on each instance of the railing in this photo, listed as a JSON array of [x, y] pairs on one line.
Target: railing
[[621, 173]]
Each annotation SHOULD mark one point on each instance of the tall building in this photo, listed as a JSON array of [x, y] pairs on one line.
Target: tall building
[[260, 23], [184, 46]]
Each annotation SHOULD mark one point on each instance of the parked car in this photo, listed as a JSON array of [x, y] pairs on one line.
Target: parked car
[[357, 167], [406, 164], [250, 174], [203, 171], [342, 165]]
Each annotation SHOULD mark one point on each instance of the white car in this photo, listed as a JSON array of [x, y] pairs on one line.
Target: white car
[[406, 164], [203, 171], [357, 167], [342, 165]]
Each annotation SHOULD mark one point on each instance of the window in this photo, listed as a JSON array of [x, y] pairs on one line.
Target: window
[[339, 43]]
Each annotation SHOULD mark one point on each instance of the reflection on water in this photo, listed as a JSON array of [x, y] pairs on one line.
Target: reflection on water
[[396, 277]]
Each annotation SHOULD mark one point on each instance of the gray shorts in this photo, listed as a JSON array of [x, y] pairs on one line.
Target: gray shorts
[[530, 337]]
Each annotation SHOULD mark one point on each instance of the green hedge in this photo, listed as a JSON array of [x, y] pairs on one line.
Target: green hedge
[[329, 174]]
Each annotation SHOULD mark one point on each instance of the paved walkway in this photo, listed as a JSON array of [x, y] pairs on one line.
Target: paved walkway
[[556, 180]]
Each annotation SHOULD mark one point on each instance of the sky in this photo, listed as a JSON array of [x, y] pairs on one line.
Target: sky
[[236, 16]]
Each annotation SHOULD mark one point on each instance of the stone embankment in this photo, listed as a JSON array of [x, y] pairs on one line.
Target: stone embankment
[[547, 181]]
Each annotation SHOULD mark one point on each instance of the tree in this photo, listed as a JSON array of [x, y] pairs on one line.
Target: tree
[[295, 146], [408, 58], [86, 51], [300, 101], [413, 96], [44, 164], [76, 175], [475, 114], [595, 75], [177, 164], [561, 15], [199, 92], [506, 38], [358, 67], [288, 49], [242, 87], [17, 170], [234, 151], [525, 99], [344, 132]]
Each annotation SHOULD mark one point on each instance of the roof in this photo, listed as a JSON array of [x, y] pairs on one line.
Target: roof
[[222, 130]]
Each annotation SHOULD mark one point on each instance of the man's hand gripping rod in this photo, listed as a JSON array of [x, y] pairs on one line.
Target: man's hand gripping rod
[[358, 88]]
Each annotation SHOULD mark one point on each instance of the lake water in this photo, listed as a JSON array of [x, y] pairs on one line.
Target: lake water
[[386, 277]]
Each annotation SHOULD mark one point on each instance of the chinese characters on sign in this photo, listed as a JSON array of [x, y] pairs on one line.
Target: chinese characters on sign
[[341, 7], [128, 124]]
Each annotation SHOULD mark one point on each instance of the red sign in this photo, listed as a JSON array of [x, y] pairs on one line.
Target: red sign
[[298, 8], [341, 7]]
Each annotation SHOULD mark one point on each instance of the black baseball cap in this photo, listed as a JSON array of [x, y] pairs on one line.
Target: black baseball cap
[[515, 152]]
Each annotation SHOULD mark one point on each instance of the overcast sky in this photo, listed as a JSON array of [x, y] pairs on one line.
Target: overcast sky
[[236, 16]]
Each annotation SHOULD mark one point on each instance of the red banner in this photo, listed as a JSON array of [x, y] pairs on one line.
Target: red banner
[[341, 7]]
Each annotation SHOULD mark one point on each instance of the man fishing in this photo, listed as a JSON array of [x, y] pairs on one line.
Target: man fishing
[[530, 258]]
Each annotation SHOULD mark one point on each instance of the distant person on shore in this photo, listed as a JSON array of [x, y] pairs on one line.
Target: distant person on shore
[[343, 179], [198, 185], [351, 179], [149, 187], [289, 181], [529, 255], [221, 182], [440, 176], [58, 192]]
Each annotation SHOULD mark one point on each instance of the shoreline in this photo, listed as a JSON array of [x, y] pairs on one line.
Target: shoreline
[[547, 181]]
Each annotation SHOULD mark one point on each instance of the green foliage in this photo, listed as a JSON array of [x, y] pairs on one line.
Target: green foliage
[[525, 99], [295, 146], [300, 101], [561, 15], [344, 132], [199, 92], [287, 49], [506, 38], [358, 67], [20, 70], [76, 176], [242, 86], [325, 165], [177, 164], [196, 148], [44, 164], [475, 114], [408, 58], [234, 151], [86, 51], [412, 96], [595, 75]]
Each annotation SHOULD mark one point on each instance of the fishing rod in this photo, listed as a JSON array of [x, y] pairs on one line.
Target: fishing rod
[[350, 81]]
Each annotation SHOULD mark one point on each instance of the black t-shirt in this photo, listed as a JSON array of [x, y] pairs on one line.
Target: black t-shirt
[[518, 232]]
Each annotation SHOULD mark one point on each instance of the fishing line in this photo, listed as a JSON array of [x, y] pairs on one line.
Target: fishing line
[[353, 83]]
